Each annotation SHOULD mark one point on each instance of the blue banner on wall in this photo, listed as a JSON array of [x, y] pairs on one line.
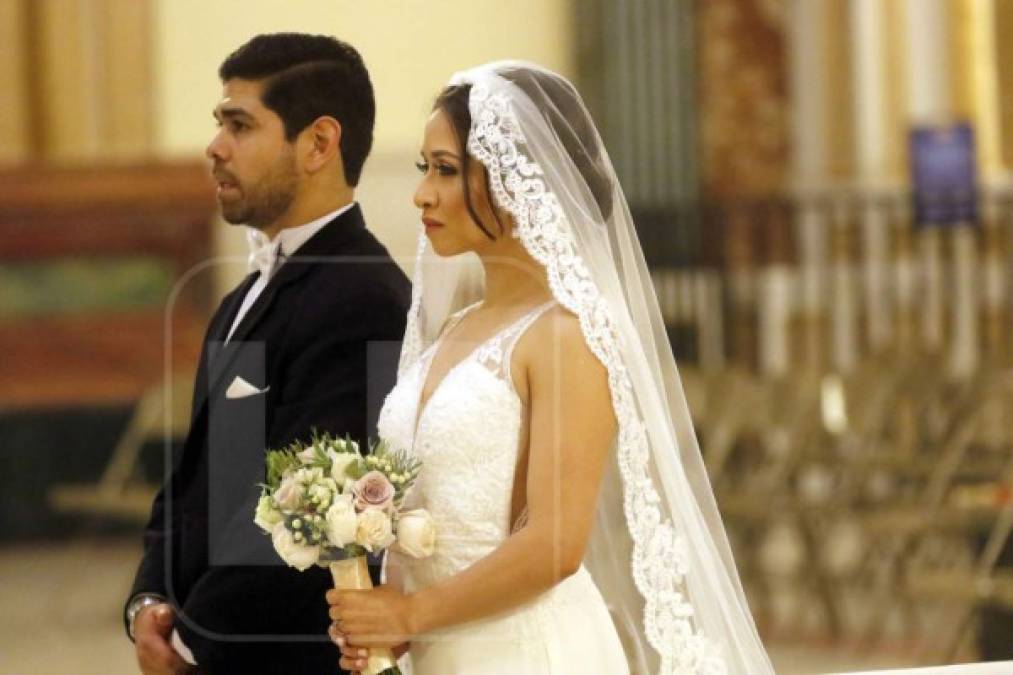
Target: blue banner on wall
[[943, 175]]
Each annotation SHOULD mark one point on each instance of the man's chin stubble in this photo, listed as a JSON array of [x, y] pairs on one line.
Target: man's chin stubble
[[234, 216]]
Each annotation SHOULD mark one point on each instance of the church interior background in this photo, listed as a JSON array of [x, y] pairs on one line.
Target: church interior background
[[822, 191]]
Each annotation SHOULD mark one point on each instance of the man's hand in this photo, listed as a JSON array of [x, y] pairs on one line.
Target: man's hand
[[155, 655]]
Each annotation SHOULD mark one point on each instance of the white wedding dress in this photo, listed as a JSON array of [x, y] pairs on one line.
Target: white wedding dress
[[468, 437]]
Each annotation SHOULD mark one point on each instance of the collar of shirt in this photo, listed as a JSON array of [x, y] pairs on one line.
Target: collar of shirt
[[265, 253]]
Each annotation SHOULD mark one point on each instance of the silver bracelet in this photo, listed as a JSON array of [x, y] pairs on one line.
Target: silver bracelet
[[136, 605]]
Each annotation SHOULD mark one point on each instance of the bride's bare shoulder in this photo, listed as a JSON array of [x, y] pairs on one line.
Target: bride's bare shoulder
[[558, 365], [555, 340]]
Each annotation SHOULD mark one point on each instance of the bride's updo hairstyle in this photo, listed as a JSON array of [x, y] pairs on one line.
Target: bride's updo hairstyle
[[568, 119]]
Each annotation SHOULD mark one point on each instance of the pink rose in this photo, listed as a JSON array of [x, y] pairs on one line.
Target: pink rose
[[373, 491], [288, 496]]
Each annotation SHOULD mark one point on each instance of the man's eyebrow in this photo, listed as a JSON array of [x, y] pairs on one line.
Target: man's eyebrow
[[221, 113]]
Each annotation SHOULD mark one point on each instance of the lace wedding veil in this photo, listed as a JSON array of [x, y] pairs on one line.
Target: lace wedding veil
[[658, 552]]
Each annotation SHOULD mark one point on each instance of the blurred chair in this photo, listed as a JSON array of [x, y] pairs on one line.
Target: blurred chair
[[161, 414], [973, 506]]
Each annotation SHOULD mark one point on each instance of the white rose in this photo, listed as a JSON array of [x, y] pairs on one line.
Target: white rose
[[267, 516], [288, 496], [309, 475], [416, 533], [295, 554], [322, 492], [374, 530], [342, 523], [340, 463]]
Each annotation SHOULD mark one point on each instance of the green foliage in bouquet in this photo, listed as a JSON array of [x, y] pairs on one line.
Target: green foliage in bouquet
[[279, 462], [289, 458]]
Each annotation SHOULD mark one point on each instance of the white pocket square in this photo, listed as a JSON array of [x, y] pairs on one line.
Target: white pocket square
[[240, 388]]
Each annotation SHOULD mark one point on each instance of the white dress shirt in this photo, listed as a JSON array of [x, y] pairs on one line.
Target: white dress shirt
[[289, 240]]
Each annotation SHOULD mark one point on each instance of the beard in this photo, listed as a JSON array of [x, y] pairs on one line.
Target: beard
[[263, 202]]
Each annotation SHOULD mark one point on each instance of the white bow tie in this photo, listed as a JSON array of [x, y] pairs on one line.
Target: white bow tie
[[265, 256]]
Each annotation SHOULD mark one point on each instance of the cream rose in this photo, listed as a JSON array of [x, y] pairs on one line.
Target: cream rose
[[267, 515], [416, 533], [342, 523], [373, 491], [340, 463], [297, 555], [374, 530]]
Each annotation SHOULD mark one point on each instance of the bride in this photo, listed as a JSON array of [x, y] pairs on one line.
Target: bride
[[577, 531]]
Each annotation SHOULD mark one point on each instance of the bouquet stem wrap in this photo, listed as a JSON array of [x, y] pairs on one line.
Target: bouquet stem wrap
[[353, 574]]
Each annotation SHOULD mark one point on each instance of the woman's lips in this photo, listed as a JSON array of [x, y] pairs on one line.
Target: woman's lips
[[431, 223]]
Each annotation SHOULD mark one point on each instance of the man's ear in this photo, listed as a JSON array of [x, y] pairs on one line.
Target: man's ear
[[321, 143]]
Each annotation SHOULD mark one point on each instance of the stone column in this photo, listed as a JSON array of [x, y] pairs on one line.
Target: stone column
[[15, 127], [869, 84], [929, 102], [808, 66], [91, 60]]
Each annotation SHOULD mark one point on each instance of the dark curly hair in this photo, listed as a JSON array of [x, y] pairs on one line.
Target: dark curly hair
[[566, 116], [309, 76]]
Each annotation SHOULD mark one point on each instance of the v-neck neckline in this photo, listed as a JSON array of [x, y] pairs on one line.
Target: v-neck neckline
[[422, 406]]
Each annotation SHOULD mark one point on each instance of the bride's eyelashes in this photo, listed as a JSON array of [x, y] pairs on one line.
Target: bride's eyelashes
[[442, 169]]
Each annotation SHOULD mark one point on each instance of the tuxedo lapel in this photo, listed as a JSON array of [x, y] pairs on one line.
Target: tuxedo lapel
[[222, 329], [320, 249], [218, 330]]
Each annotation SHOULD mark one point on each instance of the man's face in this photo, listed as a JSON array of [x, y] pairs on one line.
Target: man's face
[[254, 165]]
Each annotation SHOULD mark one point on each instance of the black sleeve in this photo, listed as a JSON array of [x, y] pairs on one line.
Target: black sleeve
[[151, 572]]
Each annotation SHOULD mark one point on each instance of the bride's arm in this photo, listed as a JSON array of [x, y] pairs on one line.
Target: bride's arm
[[571, 432]]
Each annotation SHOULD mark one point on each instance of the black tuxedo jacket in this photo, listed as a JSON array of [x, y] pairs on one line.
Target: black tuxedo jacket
[[320, 343]]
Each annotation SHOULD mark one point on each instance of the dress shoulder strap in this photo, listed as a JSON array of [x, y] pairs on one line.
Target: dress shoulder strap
[[496, 353], [448, 326]]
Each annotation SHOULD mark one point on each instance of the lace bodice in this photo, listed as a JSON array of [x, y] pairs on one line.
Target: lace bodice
[[467, 436]]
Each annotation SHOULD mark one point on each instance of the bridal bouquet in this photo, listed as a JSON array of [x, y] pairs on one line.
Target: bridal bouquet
[[325, 503]]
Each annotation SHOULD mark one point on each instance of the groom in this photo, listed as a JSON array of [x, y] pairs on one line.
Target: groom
[[285, 352]]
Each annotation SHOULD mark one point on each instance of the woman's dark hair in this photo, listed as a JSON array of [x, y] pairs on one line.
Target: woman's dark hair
[[567, 118], [307, 77], [453, 101]]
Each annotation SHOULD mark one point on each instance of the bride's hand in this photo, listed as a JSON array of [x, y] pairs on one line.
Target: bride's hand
[[354, 659], [379, 617]]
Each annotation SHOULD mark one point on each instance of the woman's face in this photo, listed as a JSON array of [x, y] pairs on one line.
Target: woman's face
[[440, 195]]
